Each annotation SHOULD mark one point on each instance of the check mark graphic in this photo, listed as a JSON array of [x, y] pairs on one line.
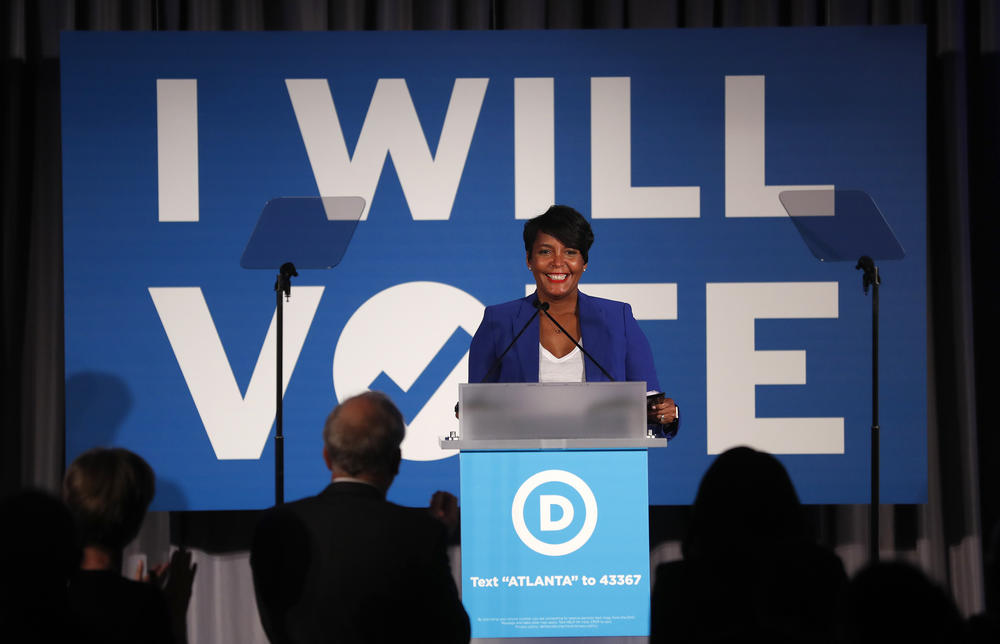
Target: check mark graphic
[[410, 402]]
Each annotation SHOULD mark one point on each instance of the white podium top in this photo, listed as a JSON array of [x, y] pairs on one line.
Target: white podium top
[[550, 444]]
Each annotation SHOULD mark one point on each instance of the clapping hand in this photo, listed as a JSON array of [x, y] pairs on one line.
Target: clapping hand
[[444, 507], [175, 579]]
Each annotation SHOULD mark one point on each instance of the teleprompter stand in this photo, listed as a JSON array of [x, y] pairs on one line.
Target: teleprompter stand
[[842, 226], [303, 232]]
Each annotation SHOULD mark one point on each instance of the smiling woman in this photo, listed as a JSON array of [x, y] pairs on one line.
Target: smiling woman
[[563, 319]]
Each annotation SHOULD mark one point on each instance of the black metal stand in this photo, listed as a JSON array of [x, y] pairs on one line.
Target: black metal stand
[[282, 287], [871, 278], [313, 232]]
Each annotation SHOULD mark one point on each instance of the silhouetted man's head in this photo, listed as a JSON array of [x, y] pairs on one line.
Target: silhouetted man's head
[[362, 437]]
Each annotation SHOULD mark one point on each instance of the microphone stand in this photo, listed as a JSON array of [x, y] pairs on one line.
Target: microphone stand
[[282, 287], [544, 308], [539, 306], [496, 363], [871, 278]]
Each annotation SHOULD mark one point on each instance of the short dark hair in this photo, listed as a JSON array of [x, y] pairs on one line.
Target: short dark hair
[[563, 223], [108, 492], [367, 441]]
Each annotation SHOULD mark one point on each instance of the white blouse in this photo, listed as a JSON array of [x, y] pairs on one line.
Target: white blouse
[[568, 368]]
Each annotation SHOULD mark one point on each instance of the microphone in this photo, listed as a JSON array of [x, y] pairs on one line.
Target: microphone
[[544, 308], [539, 306]]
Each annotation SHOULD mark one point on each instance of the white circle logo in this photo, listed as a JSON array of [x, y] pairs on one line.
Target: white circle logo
[[412, 342], [546, 501]]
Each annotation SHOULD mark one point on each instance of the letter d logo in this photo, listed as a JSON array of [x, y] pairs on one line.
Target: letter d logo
[[546, 501]]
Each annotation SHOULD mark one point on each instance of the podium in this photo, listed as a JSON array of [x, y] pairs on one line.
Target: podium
[[555, 523]]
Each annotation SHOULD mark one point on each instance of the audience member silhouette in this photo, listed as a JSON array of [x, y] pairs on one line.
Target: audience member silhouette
[[348, 566], [38, 554], [108, 492], [750, 573], [896, 602], [985, 627]]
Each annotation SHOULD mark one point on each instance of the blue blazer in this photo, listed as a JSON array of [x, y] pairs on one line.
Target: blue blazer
[[609, 330]]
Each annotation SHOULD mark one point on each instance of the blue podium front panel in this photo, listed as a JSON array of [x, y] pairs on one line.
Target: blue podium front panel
[[555, 543]]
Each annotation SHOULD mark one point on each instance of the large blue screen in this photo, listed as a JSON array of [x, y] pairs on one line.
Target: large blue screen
[[675, 144]]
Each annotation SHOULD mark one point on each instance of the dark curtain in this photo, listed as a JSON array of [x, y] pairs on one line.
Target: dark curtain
[[963, 75]]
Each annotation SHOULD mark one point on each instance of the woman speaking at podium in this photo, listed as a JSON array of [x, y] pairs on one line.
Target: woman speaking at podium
[[559, 334]]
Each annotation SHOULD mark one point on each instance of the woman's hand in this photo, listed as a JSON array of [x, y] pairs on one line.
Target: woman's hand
[[662, 411]]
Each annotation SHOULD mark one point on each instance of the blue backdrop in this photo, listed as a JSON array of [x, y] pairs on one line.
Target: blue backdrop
[[675, 144]]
